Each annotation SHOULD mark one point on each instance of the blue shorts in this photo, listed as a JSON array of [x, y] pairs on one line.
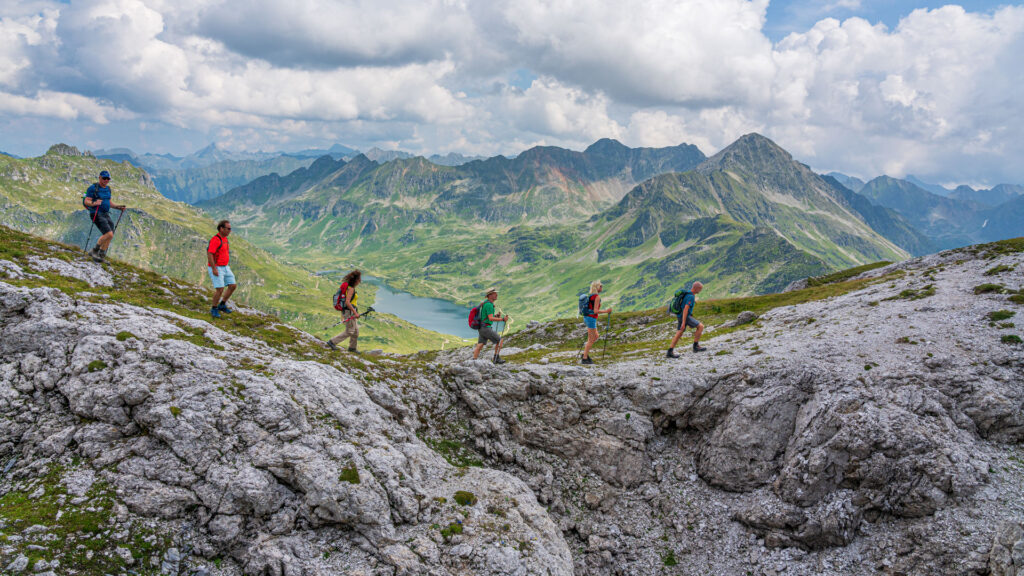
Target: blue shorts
[[690, 321], [590, 322], [223, 278]]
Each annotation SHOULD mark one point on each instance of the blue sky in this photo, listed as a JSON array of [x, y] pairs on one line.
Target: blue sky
[[786, 16], [860, 86]]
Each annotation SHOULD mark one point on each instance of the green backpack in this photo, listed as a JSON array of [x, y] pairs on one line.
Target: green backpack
[[676, 306]]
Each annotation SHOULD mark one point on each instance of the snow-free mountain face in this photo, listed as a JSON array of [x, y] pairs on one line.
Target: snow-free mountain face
[[750, 219]]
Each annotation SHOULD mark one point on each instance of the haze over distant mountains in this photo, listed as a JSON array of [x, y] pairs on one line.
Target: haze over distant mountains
[[214, 170]]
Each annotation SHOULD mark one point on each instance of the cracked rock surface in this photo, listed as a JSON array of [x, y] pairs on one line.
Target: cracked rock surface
[[876, 432]]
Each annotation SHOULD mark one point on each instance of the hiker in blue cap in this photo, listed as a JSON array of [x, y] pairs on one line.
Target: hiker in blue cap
[[97, 201]]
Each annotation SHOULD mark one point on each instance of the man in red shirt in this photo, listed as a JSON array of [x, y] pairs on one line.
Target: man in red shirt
[[217, 258]]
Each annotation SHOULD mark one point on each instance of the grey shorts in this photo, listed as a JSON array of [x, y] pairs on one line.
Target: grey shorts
[[103, 222], [488, 333], [690, 321]]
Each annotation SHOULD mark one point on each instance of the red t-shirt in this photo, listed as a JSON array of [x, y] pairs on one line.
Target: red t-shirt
[[219, 248]]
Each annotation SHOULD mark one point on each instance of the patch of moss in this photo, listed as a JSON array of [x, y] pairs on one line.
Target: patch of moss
[[905, 340], [999, 269], [96, 365], [455, 452], [349, 474], [464, 498], [915, 294], [175, 411], [124, 335], [1010, 339], [192, 334], [451, 530], [843, 275], [1017, 299], [669, 558], [998, 315], [989, 289]]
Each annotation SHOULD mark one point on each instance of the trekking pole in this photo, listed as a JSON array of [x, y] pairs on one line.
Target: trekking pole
[[91, 226], [116, 224], [342, 321], [607, 335], [504, 325]]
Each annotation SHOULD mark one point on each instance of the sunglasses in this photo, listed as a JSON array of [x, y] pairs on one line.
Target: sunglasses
[[104, 178]]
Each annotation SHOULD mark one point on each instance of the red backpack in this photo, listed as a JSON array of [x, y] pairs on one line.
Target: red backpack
[[475, 321], [339, 296]]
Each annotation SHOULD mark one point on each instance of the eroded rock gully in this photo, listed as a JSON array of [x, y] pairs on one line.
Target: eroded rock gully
[[867, 433]]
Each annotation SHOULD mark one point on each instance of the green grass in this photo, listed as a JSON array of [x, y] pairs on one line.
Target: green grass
[[989, 289], [96, 365], [844, 275], [997, 315], [915, 293], [124, 335], [464, 498], [349, 474], [999, 269], [81, 533], [1010, 339]]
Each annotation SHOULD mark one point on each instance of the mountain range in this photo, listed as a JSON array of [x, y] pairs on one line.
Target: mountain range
[[43, 196], [748, 220]]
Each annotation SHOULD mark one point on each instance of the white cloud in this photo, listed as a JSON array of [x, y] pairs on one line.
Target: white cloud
[[938, 94]]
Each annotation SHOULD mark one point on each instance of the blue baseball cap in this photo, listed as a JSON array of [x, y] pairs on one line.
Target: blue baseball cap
[[105, 174]]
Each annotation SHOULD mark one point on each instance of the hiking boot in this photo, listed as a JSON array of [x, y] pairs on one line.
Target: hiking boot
[[587, 361], [498, 360], [671, 353], [214, 313], [698, 347], [354, 351], [331, 345], [95, 254], [223, 308], [103, 255]]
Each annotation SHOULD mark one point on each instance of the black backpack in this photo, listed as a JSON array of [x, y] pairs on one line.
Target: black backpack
[[587, 304], [676, 306]]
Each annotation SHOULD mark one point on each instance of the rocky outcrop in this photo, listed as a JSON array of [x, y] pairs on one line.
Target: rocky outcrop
[[860, 434], [267, 465]]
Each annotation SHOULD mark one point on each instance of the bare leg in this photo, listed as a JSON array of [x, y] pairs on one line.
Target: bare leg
[[592, 336], [476, 351], [216, 296], [700, 330], [104, 241], [228, 292], [678, 335]]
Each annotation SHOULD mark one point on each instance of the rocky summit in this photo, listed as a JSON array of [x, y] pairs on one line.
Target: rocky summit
[[866, 424]]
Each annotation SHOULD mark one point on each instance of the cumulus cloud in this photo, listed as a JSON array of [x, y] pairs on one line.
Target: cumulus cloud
[[934, 95]]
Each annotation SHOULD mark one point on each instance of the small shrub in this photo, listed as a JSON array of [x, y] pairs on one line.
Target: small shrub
[[723, 352], [998, 270], [1010, 339], [175, 411], [988, 288], [1017, 299], [998, 315], [124, 335], [873, 303], [905, 340], [451, 530], [349, 474], [912, 294], [96, 365], [669, 559], [464, 498]]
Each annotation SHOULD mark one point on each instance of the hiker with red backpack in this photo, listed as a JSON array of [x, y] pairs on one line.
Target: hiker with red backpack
[[218, 257], [97, 201], [590, 308], [345, 300], [481, 319], [683, 302]]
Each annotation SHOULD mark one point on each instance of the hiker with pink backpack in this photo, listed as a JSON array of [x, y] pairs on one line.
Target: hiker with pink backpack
[[481, 318]]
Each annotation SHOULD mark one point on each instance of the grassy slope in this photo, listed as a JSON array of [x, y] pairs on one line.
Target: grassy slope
[[43, 196]]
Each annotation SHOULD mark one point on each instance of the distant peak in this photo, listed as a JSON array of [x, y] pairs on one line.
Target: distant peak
[[605, 145], [64, 150], [752, 151]]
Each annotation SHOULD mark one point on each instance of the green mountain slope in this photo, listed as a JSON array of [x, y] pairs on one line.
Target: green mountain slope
[[43, 196], [748, 220], [949, 222]]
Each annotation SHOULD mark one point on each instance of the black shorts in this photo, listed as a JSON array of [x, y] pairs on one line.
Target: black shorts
[[690, 321], [103, 222]]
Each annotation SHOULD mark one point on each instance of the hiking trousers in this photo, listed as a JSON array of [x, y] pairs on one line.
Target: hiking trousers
[[351, 329]]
